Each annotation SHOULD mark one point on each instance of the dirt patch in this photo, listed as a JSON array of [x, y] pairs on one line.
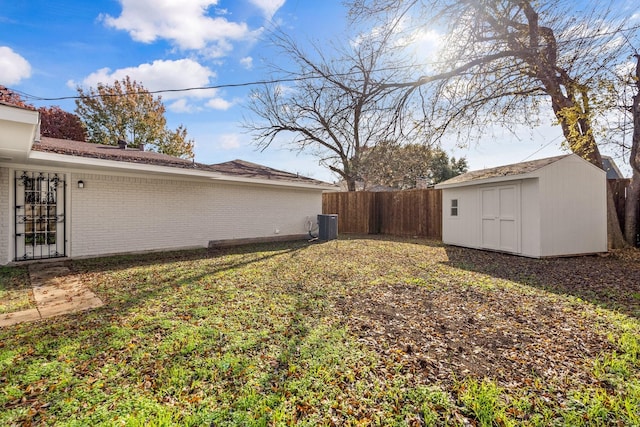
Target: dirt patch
[[462, 332], [517, 338]]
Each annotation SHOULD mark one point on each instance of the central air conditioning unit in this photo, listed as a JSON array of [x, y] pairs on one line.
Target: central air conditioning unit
[[327, 227]]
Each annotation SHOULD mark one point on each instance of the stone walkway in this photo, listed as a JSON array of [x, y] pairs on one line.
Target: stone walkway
[[56, 292]]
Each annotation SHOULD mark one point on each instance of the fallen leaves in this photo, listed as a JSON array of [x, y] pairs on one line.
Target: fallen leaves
[[362, 331]]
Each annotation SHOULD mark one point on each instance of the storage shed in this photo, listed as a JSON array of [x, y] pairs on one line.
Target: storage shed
[[542, 208]]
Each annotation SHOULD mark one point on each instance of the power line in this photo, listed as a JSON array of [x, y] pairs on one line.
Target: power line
[[188, 89], [293, 79], [542, 148]]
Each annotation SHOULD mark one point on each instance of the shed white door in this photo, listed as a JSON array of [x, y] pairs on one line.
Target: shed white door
[[500, 218]]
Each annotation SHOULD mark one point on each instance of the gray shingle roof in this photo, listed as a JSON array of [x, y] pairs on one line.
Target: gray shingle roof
[[507, 170], [108, 152], [238, 168]]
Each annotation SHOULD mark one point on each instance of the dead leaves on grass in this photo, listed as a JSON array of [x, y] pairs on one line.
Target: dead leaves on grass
[[433, 316], [447, 334], [475, 324]]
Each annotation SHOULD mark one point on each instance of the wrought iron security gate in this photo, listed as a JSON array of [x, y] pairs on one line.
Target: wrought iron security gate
[[39, 217]]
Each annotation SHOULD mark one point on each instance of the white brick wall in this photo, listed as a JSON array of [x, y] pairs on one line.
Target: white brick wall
[[114, 214], [6, 216]]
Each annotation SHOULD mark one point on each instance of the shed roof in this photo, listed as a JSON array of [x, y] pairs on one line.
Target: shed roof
[[515, 169], [237, 168]]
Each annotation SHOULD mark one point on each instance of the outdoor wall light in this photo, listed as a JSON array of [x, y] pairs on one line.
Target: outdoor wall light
[[81, 184]]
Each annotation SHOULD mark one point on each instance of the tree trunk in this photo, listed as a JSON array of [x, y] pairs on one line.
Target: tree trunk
[[615, 238], [351, 184], [631, 210], [633, 193]]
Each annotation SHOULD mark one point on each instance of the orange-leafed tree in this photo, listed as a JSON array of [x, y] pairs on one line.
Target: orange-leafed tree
[[10, 97], [125, 110], [57, 123]]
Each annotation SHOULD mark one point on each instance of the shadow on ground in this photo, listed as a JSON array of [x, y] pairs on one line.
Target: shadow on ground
[[611, 281]]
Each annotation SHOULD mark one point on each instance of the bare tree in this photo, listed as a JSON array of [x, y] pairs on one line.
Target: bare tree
[[507, 61], [621, 129], [334, 107]]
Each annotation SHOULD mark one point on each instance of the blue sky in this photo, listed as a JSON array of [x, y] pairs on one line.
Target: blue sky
[[48, 48]]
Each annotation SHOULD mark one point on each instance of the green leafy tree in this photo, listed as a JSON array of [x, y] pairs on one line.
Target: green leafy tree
[[175, 143], [402, 166], [127, 111]]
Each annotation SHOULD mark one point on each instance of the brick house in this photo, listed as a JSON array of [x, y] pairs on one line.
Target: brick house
[[62, 198]]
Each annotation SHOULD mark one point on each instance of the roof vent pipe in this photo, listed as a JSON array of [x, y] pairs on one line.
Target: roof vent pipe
[[122, 144]]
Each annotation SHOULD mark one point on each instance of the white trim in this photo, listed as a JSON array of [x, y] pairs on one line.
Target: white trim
[[84, 163], [12, 113], [20, 127], [496, 180]]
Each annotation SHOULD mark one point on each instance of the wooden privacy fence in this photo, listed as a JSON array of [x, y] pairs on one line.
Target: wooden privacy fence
[[397, 213]]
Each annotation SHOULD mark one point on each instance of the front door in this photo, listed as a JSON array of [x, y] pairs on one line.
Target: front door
[[500, 218], [39, 215]]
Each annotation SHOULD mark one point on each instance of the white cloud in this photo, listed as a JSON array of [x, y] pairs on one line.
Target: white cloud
[[186, 23], [160, 75], [229, 141], [268, 7], [247, 62], [426, 43], [182, 106], [167, 75], [14, 67], [219, 104]]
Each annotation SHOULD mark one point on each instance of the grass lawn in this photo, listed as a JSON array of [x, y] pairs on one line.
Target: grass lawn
[[360, 331], [15, 290]]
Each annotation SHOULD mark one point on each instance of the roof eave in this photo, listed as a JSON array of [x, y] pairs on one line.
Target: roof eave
[[20, 127], [485, 181], [79, 162]]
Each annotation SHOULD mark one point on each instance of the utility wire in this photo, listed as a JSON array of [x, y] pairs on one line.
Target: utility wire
[[289, 79], [188, 89], [541, 148]]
